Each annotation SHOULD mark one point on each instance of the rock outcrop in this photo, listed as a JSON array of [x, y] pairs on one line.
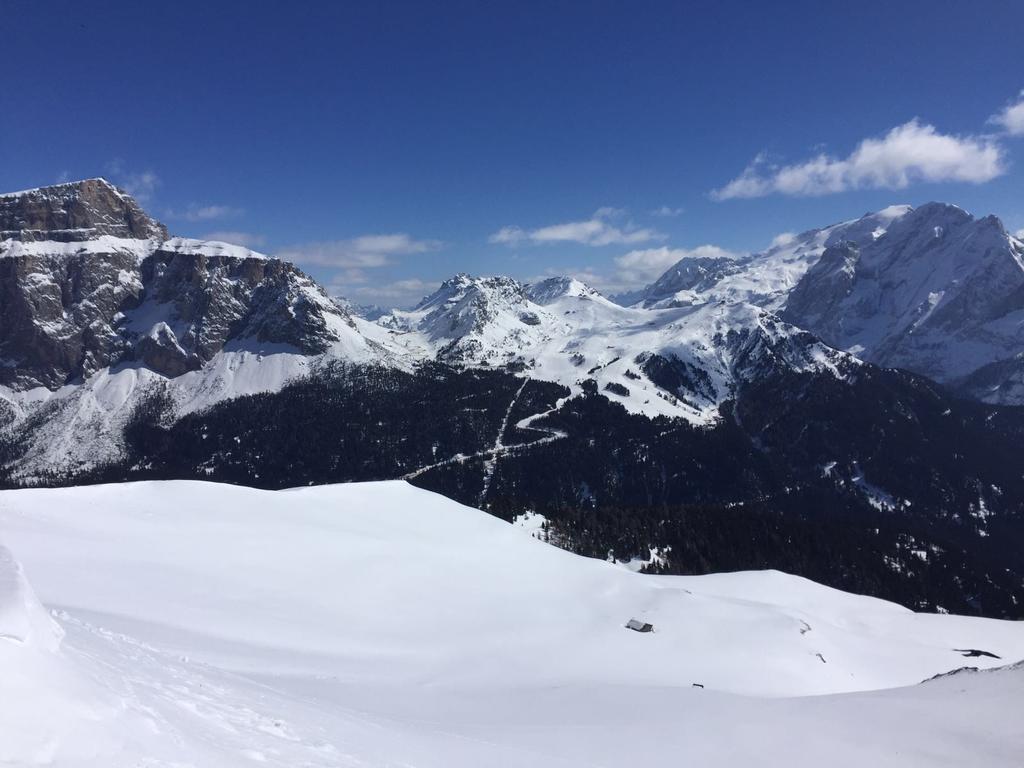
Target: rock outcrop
[[938, 292], [75, 212], [88, 281]]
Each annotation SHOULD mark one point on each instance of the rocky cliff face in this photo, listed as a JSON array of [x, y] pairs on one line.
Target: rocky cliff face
[[938, 292], [75, 212], [58, 311], [88, 280]]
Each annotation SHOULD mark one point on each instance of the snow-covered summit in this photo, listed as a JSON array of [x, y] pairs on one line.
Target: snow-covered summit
[[554, 288], [764, 278], [216, 248]]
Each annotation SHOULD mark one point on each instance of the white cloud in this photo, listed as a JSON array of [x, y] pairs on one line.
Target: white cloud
[[139, 184], [665, 212], [908, 153], [1011, 117], [596, 231], [353, 285], [412, 287], [783, 238], [196, 212], [641, 267], [365, 252], [1019, 234], [248, 239], [508, 235]]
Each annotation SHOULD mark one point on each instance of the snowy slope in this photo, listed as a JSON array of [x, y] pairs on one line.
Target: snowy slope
[[378, 624], [81, 425]]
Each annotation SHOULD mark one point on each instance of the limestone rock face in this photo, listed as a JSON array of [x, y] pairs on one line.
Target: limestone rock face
[[88, 281], [75, 212]]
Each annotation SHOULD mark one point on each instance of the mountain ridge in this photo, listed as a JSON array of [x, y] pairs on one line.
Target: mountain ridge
[[631, 429]]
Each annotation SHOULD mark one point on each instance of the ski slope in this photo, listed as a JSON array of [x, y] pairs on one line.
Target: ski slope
[[378, 624]]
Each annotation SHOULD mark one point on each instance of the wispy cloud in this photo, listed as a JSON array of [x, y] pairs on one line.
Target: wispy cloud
[[412, 288], [354, 285], [665, 212], [641, 267], [603, 228], [908, 153], [364, 252], [248, 239], [196, 212], [1011, 117], [139, 184]]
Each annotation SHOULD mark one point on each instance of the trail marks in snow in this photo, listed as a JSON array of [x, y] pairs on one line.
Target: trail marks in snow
[[491, 455]]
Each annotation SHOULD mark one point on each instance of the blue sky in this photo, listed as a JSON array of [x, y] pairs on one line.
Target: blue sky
[[387, 145]]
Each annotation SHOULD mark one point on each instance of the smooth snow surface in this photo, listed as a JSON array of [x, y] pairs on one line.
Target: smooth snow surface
[[381, 625]]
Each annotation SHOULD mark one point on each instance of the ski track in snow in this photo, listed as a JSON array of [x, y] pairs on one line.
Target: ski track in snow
[[491, 463], [491, 455]]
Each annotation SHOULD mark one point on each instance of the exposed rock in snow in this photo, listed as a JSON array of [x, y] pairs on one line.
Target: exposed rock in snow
[[73, 212], [88, 281], [939, 293]]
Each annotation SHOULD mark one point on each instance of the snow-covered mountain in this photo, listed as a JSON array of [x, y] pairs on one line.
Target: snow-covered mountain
[[931, 290], [75, 299], [764, 279], [96, 302], [127, 353], [379, 624], [938, 292], [98, 305], [681, 361]]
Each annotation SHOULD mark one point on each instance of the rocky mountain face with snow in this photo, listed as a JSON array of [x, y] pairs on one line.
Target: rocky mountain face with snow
[[75, 212], [89, 281], [937, 292], [931, 290], [678, 361], [754, 390]]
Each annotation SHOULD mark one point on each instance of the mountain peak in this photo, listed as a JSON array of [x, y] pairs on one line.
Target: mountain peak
[[933, 291], [74, 212], [63, 187], [553, 288]]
